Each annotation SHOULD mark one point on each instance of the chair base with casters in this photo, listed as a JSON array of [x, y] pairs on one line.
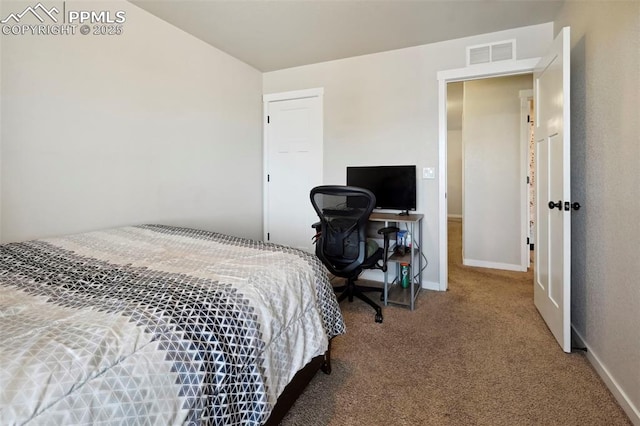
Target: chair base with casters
[[351, 290], [341, 238], [378, 260]]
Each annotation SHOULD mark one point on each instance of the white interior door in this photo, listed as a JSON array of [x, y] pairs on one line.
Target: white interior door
[[293, 149], [552, 286]]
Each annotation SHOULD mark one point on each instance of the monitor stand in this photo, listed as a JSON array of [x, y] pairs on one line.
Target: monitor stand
[[404, 213]]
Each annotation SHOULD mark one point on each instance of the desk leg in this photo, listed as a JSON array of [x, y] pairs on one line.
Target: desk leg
[[413, 263], [386, 288], [386, 276]]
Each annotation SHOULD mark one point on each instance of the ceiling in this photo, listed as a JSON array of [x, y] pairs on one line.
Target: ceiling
[[276, 34]]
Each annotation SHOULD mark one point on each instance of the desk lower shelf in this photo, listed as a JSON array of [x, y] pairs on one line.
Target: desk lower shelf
[[396, 295]]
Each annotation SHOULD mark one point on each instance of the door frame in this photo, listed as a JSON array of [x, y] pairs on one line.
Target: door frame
[[275, 97], [526, 96], [496, 69]]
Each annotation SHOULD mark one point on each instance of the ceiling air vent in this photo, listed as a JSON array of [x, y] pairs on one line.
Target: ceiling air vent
[[478, 55], [491, 52]]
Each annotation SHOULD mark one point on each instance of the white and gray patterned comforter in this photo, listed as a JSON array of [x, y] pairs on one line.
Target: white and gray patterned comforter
[[156, 325]]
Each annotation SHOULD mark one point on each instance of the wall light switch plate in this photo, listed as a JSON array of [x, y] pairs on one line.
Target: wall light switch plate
[[428, 173]]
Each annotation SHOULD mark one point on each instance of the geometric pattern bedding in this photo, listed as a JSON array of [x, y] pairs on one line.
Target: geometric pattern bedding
[[156, 325]]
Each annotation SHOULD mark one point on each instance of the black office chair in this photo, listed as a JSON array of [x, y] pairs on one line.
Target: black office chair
[[341, 238]]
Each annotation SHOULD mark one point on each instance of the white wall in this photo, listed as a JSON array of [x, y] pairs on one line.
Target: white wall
[[455, 93], [492, 218], [383, 109], [152, 125], [605, 154]]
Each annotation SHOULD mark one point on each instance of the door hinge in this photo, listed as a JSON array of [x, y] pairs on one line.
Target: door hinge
[[268, 236], [528, 180], [528, 119], [268, 178], [268, 119], [527, 240]]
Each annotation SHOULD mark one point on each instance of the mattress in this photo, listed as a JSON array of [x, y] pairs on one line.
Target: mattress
[[155, 324]]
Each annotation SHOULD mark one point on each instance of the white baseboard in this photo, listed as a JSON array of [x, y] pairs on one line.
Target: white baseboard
[[375, 275], [430, 285], [618, 393], [372, 275], [493, 265]]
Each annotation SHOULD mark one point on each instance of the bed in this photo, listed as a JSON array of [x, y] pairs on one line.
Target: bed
[[162, 325]]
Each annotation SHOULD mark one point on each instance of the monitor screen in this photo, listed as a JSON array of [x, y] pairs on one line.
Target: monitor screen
[[393, 186]]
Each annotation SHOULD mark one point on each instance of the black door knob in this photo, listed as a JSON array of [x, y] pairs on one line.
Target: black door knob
[[557, 205], [575, 206]]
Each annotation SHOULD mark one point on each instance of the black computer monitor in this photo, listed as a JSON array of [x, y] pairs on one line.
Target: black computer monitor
[[393, 186]]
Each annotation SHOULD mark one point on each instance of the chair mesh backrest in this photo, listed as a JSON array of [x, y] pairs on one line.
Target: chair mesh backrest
[[344, 213]]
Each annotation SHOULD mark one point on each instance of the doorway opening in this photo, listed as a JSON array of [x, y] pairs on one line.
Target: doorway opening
[[488, 164], [509, 68]]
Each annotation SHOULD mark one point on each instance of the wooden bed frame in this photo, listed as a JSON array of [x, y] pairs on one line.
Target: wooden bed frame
[[295, 388]]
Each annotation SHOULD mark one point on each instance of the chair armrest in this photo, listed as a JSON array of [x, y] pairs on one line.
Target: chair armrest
[[317, 227], [388, 230]]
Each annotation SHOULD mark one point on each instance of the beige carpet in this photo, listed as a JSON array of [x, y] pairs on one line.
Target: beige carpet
[[478, 354]]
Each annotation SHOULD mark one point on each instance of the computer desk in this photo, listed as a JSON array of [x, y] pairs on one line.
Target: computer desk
[[393, 291]]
